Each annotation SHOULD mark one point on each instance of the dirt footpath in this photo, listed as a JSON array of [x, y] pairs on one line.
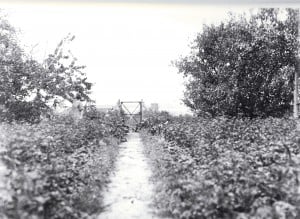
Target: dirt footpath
[[129, 195]]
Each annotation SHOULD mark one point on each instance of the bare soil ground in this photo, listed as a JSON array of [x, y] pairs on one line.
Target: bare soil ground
[[130, 193]]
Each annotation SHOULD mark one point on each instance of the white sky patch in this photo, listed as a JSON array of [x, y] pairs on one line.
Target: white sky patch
[[127, 48]]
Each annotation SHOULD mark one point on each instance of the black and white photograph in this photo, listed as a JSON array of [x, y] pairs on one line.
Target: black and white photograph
[[150, 109]]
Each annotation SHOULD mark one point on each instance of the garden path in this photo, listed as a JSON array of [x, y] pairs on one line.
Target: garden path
[[129, 195]]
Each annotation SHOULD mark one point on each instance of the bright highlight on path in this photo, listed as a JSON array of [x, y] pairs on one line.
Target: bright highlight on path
[[129, 193]]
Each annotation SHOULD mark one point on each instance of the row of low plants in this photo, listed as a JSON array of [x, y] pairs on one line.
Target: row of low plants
[[225, 168], [57, 168]]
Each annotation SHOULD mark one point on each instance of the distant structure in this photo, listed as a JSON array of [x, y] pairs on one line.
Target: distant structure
[[106, 108], [154, 107]]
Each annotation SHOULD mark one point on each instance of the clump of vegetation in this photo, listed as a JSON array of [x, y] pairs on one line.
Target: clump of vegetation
[[225, 168], [233, 159], [59, 167], [244, 66], [30, 89]]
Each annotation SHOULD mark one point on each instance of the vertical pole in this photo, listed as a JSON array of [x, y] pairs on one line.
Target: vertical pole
[[141, 111], [296, 73], [121, 110], [296, 95]]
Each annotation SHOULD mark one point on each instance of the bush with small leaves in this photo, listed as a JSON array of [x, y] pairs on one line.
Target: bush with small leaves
[[58, 167], [226, 168]]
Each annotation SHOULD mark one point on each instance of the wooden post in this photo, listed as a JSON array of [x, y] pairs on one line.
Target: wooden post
[[295, 107], [141, 111], [296, 95]]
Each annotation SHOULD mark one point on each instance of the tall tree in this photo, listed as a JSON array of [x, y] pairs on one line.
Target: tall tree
[[60, 78], [13, 70], [244, 66], [29, 88]]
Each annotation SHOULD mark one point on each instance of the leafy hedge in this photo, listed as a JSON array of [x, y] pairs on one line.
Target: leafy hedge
[[226, 168], [58, 167]]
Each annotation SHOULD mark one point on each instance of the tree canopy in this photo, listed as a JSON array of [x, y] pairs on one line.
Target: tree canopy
[[29, 88], [243, 66]]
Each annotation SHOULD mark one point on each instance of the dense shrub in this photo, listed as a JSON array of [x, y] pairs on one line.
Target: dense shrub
[[225, 168], [244, 65], [29, 88], [22, 111], [58, 167]]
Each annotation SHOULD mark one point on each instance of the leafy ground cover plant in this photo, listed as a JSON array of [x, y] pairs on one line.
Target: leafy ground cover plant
[[59, 167], [226, 168]]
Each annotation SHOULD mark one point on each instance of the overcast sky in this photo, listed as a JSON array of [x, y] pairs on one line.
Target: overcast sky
[[127, 47]]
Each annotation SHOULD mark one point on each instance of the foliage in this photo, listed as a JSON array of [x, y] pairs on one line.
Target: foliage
[[59, 167], [61, 78], [225, 168], [244, 66], [154, 121], [112, 119], [15, 71], [28, 88]]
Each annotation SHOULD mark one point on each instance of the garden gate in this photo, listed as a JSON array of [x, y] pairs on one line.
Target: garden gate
[[126, 111]]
